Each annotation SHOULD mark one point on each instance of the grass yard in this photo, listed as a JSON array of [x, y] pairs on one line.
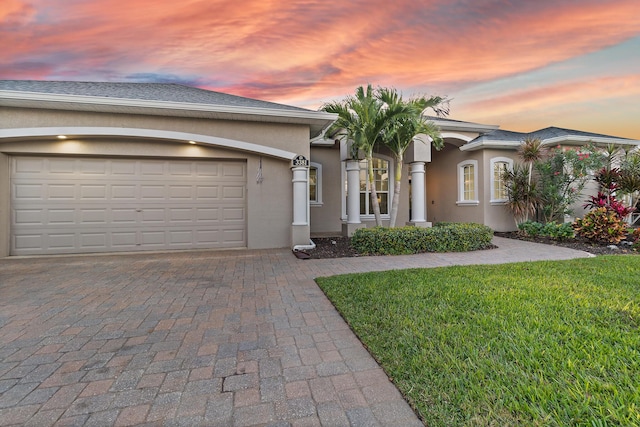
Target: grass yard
[[542, 344]]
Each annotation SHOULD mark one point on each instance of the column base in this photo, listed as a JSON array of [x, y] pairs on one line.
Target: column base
[[349, 229], [423, 224], [300, 235]]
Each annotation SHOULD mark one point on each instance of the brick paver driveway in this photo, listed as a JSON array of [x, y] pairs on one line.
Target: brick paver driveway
[[236, 338]]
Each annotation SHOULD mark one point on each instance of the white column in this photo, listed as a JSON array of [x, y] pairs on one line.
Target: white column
[[353, 192], [418, 196], [300, 195]]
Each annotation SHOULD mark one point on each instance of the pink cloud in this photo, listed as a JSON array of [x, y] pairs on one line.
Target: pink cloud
[[305, 52]]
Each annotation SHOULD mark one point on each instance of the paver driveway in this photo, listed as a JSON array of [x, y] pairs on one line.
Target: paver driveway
[[236, 338]]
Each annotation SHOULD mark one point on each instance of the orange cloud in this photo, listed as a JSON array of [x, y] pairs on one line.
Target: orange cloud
[[586, 104], [305, 52]]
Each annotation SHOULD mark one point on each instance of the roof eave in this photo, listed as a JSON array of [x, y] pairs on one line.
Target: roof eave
[[479, 145], [598, 140], [463, 126], [567, 140], [317, 120]]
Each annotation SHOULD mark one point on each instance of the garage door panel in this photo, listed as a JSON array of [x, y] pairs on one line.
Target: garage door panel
[[60, 166], [207, 214], [123, 240], [180, 215], [180, 237], [124, 216], [28, 191], [233, 214], [28, 217], [177, 192], [94, 216], [60, 192], [207, 192], [152, 168], [66, 241], [93, 167], [93, 240], [152, 192], [233, 236], [233, 192], [207, 170], [121, 192], [93, 192], [61, 216], [67, 205], [125, 168], [233, 170], [152, 216], [28, 242]]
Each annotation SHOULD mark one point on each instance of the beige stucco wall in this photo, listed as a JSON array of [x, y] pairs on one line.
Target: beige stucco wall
[[288, 137], [269, 203], [325, 218], [5, 218], [328, 217], [496, 216], [442, 187]]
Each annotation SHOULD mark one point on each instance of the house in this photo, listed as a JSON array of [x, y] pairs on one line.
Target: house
[[119, 167]]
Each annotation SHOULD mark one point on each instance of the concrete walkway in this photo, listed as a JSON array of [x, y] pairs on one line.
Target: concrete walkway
[[234, 338]]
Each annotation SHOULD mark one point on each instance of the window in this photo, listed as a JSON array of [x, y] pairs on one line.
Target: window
[[467, 183], [499, 166], [383, 178], [315, 184], [381, 181]]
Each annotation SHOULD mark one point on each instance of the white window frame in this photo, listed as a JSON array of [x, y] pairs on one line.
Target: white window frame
[[371, 216], [495, 200], [318, 168], [461, 200]]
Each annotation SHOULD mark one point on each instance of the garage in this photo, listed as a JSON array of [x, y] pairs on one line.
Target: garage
[[89, 205]]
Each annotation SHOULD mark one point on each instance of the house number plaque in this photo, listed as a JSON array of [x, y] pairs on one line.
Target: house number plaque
[[300, 161]]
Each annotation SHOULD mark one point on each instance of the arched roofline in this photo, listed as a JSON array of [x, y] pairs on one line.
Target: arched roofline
[[80, 131]]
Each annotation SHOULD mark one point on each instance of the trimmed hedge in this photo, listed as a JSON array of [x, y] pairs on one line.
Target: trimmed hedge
[[442, 237]]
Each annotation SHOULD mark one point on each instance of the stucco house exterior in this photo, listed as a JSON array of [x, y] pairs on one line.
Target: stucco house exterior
[[120, 167]]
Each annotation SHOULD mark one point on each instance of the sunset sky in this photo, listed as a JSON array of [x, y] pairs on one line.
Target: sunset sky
[[521, 64]]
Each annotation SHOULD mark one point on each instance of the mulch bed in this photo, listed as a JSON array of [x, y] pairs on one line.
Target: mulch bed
[[340, 247]]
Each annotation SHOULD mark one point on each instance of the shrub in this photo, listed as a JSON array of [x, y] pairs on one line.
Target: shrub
[[531, 228], [635, 236], [608, 201], [443, 237], [559, 231], [550, 229], [601, 225]]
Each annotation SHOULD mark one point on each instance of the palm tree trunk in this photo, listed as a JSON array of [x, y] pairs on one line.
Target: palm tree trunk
[[374, 194], [395, 203], [526, 215]]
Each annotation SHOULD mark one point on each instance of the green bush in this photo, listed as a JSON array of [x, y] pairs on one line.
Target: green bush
[[531, 228], [550, 229], [635, 237], [601, 225], [443, 237]]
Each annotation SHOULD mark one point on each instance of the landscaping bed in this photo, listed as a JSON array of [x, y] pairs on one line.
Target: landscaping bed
[[340, 247]]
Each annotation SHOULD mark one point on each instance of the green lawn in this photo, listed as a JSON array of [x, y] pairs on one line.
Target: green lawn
[[543, 343]]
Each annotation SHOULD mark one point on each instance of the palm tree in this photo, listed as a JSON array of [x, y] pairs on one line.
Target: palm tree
[[521, 193], [530, 151], [362, 119], [403, 130]]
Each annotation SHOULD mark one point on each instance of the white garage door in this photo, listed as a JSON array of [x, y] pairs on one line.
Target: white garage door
[[83, 205]]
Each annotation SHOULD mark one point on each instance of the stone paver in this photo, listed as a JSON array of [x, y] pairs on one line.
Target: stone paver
[[233, 338]]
